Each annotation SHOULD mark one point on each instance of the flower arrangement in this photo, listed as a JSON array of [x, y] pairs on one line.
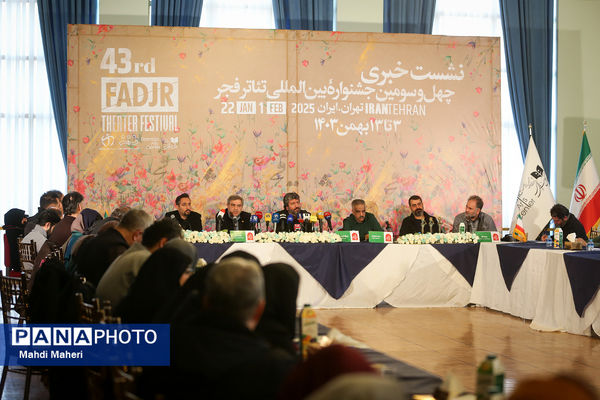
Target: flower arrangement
[[429, 238], [206, 237], [297, 237]]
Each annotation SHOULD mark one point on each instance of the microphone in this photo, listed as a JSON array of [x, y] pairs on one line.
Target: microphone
[[388, 227], [220, 216], [320, 218], [313, 221], [327, 216], [267, 220], [306, 222], [259, 215], [253, 221], [290, 221], [276, 219]]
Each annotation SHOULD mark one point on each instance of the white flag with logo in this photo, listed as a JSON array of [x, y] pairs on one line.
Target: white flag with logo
[[535, 198], [585, 203]]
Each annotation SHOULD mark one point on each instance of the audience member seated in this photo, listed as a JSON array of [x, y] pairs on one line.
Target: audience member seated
[[359, 386], [96, 254], [557, 387], [82, 223], [320, 368], [14, 222], [119, 276], [217, 354], [278, 322], [52, 199], [165, 271], [187, 300], [46, 220], [115, 216], [71, 207]]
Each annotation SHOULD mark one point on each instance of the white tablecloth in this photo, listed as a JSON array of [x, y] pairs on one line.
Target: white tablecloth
[[419, 276]]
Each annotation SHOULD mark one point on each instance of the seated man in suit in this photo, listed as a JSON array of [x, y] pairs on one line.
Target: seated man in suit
[[360, 220], [473, 218], [291, 206], [233, 219], [418, 221], [188, 219]]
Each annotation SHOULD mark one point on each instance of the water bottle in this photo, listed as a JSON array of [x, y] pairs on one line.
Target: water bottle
[[461, 227], [490, 378], [590, 245], [309, 329], [485, 378], [549, 239]]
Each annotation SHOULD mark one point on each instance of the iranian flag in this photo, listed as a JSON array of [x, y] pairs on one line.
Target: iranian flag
[[585, 203]]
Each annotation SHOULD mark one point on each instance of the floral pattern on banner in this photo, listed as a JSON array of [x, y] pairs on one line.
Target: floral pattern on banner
[[212, 151]]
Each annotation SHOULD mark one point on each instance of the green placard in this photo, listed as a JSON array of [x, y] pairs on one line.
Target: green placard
[[484, 236], [345, 235], [238, 236], [376, 237]]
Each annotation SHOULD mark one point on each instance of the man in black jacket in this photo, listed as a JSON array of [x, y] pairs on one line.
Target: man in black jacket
[[291, 206], [188, 219], [418, 221], [97, 253], [568, 222], [233, 218]]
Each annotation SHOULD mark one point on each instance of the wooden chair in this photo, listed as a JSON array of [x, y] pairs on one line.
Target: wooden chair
[[27, 255], [89, 313], [107, 382], [15, 310]]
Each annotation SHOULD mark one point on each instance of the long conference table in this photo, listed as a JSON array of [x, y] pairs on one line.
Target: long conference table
[[555, 289]]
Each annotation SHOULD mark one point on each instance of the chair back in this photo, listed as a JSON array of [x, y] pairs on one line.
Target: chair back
[[15, 299], [27, 252], [56, 254], [89, 313]]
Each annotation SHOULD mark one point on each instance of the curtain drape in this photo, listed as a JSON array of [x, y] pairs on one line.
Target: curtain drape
[[176, 12], [55, 15], [408, 16], [314, 15], [528, 36]]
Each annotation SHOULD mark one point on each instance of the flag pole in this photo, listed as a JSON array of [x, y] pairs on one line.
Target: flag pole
[[530, 130], [584, 126]]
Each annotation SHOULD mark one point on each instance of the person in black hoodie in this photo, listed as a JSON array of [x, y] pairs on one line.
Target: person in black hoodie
[[14, 222], [216, 354]]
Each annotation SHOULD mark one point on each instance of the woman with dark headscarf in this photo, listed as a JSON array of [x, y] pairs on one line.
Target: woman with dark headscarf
[[83, 222], [14, 223], [163, 273], [278, 322]]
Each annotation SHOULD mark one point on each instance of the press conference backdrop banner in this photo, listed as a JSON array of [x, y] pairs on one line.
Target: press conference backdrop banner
[[158, 111]]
